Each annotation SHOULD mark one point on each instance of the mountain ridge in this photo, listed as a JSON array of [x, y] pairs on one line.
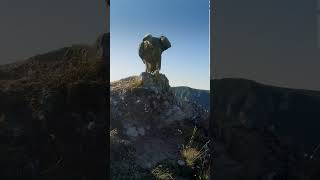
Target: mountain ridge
[[270, 131], [198, 96]]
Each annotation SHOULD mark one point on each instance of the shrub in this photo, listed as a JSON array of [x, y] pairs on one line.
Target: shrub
[[197, 157]]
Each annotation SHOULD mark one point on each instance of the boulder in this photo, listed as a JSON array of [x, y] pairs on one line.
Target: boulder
[[148, 117]]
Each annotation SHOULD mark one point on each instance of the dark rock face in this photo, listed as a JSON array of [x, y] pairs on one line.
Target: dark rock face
[[266, 129], [103, 45], [53, 116], [146, 119]]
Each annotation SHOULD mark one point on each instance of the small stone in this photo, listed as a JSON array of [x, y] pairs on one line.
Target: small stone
[[148, 165], [41, 116], [91, 125], [166, 103], [181, 162], [52, 136], [132, 131], [141, 131]]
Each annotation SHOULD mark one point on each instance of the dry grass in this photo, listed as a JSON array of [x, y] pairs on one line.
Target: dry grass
[[162, 174], [196, 157], [93, 69], [190, 155], [135, 83]]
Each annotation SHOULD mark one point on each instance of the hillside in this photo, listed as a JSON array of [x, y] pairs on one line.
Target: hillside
[[53, 115], [201, 97], [265, 131]]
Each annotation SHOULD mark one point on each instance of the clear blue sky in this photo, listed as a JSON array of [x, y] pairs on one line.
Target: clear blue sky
[[184, 22]]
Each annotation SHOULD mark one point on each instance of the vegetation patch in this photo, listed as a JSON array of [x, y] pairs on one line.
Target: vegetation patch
[[136, 83], [162, 173], [197, 158]]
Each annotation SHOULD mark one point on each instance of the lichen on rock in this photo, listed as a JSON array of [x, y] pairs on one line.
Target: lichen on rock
[[147, 114]]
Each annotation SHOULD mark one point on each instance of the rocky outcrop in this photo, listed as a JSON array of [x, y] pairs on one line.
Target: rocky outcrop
[[148, 101], [151, 124]]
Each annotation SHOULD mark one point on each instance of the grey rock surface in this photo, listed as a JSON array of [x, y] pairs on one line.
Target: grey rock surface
[[147, 115]]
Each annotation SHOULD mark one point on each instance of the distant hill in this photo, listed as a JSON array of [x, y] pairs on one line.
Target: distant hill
[[269, 130], [201, 97], [292, 112]]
